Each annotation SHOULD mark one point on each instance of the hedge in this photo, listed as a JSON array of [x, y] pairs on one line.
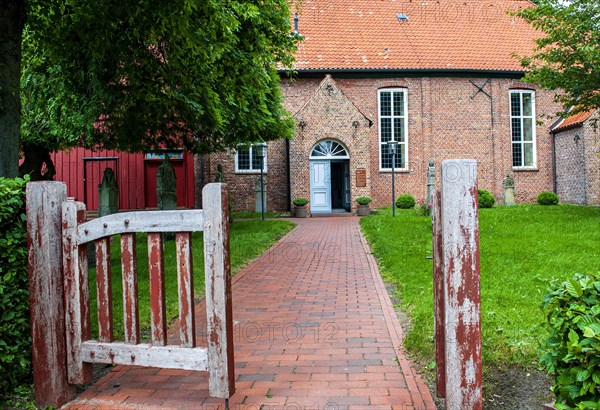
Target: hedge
[[15, 339]]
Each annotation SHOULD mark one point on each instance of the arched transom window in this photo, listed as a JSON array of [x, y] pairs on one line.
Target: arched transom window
[[329, 149]]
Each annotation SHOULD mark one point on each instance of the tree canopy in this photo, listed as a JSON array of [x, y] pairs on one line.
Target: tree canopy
[[147, 75], [567, 56]]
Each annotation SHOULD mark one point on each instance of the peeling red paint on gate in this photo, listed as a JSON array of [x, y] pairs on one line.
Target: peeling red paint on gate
[[104, 290], [157, 289]]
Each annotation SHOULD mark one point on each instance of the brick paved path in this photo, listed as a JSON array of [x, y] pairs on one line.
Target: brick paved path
[[314, 330]]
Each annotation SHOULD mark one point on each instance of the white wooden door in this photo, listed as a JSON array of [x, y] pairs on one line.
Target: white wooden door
[[320, 186]]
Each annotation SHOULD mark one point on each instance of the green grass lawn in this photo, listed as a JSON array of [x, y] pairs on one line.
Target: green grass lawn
[[522, 249], [249, 239]]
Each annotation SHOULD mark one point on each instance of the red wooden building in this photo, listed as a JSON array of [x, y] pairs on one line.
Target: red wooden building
[[135, 174]]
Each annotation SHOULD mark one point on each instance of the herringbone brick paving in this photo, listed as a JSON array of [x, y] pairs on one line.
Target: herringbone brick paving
[[314, 330]]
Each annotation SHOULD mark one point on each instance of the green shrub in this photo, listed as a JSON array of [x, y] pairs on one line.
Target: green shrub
[[405, 201], [572, 351], [300, 201], [547, 198], [15, 339], [486, 199], [363, 200]]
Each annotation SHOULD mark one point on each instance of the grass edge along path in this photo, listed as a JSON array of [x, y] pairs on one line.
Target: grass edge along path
[[248, 240], [522, 249]]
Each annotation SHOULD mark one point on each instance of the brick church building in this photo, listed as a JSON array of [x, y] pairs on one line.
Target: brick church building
[[438, 77]]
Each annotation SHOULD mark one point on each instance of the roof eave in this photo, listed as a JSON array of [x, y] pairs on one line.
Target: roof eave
[[569, 127], [436, 71]]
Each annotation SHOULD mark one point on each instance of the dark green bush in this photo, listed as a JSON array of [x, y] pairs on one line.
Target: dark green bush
[[363, 200], [486, 199], [300, 201], [547, 198], [572, 351], [15, 339], [405, 201]]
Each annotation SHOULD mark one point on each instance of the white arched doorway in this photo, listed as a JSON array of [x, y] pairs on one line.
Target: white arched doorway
[[329, 177]]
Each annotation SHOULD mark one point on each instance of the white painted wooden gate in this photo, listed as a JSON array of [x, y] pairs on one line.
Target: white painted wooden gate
[[82, 351]]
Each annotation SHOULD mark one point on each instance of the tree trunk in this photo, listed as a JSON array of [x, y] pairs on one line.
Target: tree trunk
[[37, 163], [12, 19]]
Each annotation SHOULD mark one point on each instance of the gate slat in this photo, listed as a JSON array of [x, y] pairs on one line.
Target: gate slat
[[131, 320], [76, 294], [104, 290], [166, 357], [185, 281], [157, 289]]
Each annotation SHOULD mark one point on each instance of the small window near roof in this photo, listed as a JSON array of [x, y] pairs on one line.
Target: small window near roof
[[522, 128], [246, 160]]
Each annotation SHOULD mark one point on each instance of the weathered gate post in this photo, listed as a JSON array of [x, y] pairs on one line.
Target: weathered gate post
[[44, 244], [438, 296], [460, 233], [217, 267]]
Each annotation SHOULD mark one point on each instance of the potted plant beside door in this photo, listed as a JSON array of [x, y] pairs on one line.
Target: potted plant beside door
[[300, 207], [363, 205]]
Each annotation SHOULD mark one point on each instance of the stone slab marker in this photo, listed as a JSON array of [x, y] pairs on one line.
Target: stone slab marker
[[430, 181], [509, 190], [44, 245], [108, 194], [257, 191], [460, 233], [166, 185]]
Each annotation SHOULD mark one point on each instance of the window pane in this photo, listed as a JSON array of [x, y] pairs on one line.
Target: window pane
[[386, 157], [515, 104], [243, 154], [527, 104], [517, 155], [255, 162], [527, 129], [399, 103], [399, 129], [516, 129], [528, 154], [401, 156], [386, 129], [386, 103]]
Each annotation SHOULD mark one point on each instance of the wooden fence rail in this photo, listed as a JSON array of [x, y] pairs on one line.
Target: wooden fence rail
[[70, 343]]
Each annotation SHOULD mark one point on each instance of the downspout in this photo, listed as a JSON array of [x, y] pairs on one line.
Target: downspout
[[289, 175]]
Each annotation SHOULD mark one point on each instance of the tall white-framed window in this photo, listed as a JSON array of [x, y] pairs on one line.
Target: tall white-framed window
[[522, 128], [246, 160], [393, 126]]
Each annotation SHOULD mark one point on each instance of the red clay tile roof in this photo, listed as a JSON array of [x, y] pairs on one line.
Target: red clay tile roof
[[440, 34], [573, 120]]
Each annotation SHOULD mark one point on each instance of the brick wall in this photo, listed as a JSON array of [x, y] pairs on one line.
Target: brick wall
[[242, 185], [592, 155], [570, 166], [447, 118], [578, 164]]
